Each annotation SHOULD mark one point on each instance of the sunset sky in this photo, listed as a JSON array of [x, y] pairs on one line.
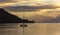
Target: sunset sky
[[30, 3], [28, 14], [27, 2]]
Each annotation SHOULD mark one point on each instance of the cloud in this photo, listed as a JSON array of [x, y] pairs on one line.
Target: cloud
[[28, 8], [3, 1], [22, 8]]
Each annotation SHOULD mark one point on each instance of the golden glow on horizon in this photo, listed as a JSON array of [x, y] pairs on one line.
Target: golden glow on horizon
[[39, 12], [57, 4]]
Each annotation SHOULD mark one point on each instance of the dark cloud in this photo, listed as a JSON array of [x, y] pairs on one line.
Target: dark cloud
[[3, 1], [22, 8], [28, 8]]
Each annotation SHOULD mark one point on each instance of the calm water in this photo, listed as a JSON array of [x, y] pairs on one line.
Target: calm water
[[31, 29]]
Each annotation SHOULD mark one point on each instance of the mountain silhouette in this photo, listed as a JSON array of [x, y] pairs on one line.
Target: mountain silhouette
[[57, 19], [6, 17], [45, 19], [42, 19]]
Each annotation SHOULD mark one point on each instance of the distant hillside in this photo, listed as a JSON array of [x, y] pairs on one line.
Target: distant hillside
[[45, 19]]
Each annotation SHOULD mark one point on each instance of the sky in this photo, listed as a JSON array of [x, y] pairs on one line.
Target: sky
[[27, 2], [56, 2]]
